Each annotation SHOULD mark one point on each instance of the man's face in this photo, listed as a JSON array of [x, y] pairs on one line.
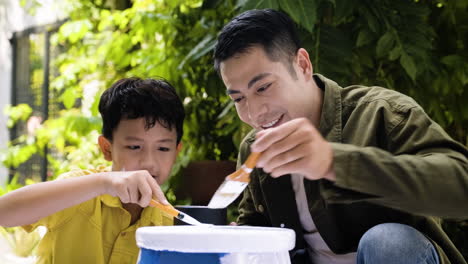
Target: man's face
[[135, 148], [265, 92]]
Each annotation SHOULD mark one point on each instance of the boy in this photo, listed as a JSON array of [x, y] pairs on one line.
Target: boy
[[93, 218]]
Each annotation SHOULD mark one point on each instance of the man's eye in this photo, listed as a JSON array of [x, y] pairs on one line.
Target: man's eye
[[133, 147], [164, 149], [263, 88], [237, 100]]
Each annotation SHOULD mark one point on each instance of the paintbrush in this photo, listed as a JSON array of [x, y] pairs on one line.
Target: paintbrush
[[234, 184], [170, 210]]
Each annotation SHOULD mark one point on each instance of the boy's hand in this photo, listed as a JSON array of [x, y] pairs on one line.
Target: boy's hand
[[295, 147], [137, 187]]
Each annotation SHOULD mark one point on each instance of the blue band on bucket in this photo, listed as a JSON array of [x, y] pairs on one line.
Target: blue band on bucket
[[148, 256]]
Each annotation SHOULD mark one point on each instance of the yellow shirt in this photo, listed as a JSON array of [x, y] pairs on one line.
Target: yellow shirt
[[97, 231]]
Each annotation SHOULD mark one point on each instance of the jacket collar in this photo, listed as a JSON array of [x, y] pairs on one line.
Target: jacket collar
[[330, 118]]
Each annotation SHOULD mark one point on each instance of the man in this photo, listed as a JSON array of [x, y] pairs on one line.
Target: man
[[355, 171]]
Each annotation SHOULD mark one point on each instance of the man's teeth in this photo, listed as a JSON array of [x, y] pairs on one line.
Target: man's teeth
[[272, 123]]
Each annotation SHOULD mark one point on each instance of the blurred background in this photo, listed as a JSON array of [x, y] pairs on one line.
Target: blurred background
[[56, 58]]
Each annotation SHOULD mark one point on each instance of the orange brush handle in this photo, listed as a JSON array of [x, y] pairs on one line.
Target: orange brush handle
[[252, 160], [241, 174], [166, 208]]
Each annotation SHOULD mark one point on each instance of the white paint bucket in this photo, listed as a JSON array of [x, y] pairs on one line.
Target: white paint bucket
[[214, 245]]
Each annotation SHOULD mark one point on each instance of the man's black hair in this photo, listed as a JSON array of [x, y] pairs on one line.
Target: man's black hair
[[132, 98], [273, 30]]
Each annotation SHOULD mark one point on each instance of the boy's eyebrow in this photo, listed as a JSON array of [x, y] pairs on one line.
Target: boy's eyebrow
[[255, 79], [133, 138], [139, 139]]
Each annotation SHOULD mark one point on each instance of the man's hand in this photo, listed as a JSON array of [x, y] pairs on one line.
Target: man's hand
[[295, 147], [136, 187]]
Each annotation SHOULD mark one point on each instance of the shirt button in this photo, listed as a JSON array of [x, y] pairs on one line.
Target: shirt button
[[123, 234], [260, 208], [281, 225]]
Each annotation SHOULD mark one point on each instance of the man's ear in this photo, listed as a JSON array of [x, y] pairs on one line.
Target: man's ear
[[179, 147], [305, 66], [105, 146]]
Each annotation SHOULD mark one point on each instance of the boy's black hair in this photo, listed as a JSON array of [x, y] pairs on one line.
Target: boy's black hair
[[131, 98], [273, 30]]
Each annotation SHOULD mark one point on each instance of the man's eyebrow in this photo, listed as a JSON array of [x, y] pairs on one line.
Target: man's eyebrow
[[170, 140], [255, 79]]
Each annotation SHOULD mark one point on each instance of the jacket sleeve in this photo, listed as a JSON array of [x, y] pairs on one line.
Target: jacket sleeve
[[423, 171]]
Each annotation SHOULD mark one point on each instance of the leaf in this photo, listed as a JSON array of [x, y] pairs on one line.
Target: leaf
[[69, 98], [203, 47], [303, 12], [372, 21], [344, 8], [395, 53], [75, 30], [453, 60], [408, 64], [385, 44], [365, 37], [17, 113], [255, 4]]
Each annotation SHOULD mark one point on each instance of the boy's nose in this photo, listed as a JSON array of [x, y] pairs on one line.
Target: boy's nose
[[149, 162]]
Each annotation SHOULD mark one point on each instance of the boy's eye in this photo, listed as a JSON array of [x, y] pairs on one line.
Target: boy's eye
[[164, 149], [133, 147]]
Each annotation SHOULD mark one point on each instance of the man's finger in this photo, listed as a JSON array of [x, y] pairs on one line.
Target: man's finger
[[289, 168], [296, 138], [267, 137], [286, 157]]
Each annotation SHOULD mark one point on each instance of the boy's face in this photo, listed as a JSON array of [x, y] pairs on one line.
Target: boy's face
[[135, 148], [265, 92]]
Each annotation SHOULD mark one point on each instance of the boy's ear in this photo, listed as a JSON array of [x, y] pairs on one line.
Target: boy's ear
[[179, 147], [105, 147]]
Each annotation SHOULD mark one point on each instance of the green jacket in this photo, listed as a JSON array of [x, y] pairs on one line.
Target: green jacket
[[392, 164]]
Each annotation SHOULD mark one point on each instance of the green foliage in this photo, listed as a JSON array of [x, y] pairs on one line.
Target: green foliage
[[23, 244], [17, 113]]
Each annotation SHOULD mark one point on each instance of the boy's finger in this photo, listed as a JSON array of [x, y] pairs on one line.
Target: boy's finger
[[134, 193], [124, 196], [157, 192], [146, 195]]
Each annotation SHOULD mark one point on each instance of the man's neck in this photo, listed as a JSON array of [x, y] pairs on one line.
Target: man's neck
[[317, 103]]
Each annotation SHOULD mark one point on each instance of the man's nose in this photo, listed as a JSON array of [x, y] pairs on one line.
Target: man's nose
[[256, 109]]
